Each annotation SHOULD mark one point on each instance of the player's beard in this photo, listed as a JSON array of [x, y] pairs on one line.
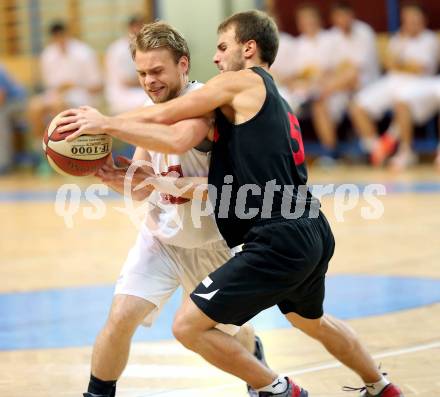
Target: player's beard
[[172, 91], [236, 63]]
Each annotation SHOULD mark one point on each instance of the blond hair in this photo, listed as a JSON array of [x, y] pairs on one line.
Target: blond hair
[[159, 34]]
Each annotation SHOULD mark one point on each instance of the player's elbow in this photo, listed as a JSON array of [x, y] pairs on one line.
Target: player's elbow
[[180, 142], [180, 145]]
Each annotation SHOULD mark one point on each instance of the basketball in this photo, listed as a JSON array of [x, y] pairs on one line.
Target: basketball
[[81, 157]]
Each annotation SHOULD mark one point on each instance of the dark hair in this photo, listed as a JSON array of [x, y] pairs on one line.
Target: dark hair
[[413, 4], [309, 7], [57, 27], [342, 6], [258, 26], [135, 19]]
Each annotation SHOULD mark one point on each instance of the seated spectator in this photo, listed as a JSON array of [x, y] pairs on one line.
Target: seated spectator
[[71, 77], [311, 59], [354, 65], [122, 89], [412, 54], [12, 103], [283, 67], [416, 103]]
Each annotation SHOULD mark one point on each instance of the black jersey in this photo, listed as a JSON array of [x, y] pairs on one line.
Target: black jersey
[[257, 167]]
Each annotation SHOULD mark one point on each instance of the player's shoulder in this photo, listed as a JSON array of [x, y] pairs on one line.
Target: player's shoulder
[[81, 50], [192, 86], [287, 39], [428, 36], [119, 44], [234, 80], [362, 28]]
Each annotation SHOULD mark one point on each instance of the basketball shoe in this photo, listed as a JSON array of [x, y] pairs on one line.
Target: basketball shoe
[[293, 390], [383, 149], [389, 390]]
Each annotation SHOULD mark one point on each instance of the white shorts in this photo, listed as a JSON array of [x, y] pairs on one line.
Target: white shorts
[[380, 96], [337, 105], [422, 97], [153, 271]]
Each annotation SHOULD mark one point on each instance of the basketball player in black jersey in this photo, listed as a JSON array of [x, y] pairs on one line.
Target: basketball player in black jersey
[[258, 160]]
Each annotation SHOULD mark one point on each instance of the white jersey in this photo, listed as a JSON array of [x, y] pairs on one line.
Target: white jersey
[[313, 54], [358, 48], [78, 65], [177, 218], [422, 49], [283, 65], [120, 72]]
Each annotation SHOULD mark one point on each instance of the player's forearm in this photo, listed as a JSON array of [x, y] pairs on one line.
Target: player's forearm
[[346, 79], [216, 93], [155, 137], [160, 113]]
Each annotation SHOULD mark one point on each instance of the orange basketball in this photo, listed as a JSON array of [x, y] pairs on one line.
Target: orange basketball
[[81, 157]]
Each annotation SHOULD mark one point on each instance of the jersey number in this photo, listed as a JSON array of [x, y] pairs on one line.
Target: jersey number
[[296, 140]]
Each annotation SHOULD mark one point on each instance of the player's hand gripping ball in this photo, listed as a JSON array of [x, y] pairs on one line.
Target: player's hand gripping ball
[[81, 157]]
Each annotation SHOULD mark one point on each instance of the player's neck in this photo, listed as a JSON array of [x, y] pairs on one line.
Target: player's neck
[[185, 83], [251, 63]]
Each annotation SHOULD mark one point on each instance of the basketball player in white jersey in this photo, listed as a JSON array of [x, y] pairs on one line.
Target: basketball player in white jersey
[[160, 262], [412, 54]]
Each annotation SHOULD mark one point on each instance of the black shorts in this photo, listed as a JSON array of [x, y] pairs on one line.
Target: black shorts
[[283, 263]]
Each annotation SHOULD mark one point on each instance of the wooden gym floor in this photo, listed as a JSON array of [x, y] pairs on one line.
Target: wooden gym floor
[[57, 286]]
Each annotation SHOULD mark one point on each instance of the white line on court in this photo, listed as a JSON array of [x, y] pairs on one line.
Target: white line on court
[[199, 392]]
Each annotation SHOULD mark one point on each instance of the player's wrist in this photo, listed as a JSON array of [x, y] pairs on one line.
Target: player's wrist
[[111, 126]]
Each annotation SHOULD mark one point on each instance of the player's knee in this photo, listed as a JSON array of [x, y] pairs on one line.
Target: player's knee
[[183, 331], [354, 109], [122, 321], [401, 107]]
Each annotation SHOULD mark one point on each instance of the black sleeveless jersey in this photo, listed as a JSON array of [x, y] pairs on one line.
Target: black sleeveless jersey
[[249, 159]]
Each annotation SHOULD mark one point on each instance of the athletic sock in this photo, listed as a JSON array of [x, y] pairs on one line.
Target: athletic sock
[[279, 385], [375, 388], [102, 387]]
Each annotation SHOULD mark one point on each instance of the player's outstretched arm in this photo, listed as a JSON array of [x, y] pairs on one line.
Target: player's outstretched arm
[[177, 138], [217, 92]]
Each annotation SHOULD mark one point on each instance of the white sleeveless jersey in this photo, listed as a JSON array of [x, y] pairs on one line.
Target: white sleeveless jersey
[[174, 220]]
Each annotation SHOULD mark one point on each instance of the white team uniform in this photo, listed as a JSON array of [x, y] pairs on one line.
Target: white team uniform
[[78, 66], [358, 48], [160, 262], [313, 52], [310, 55], [120, 68], [422, 97], [380, 96], [283, 65]]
